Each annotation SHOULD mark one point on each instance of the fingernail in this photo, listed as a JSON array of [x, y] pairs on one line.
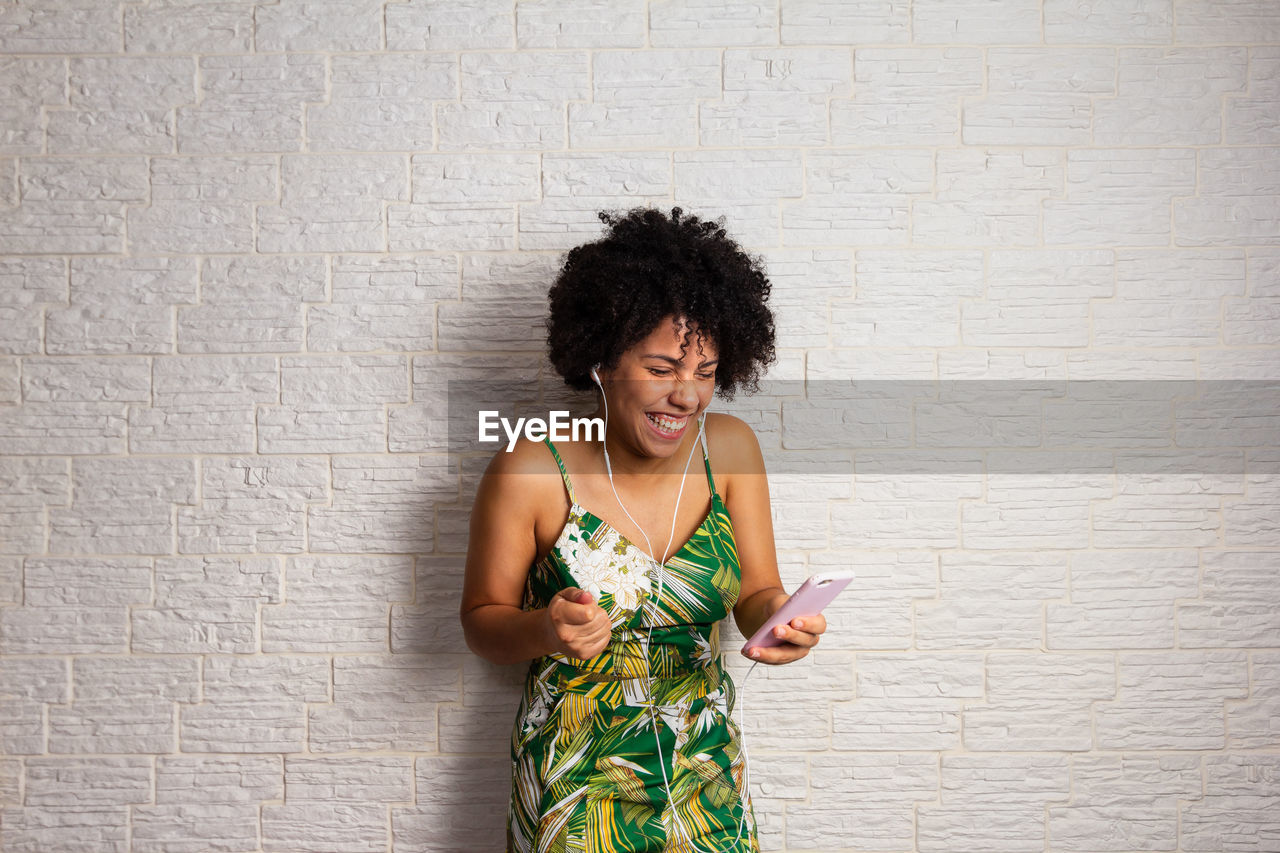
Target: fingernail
[[799, 623], [755, 653]]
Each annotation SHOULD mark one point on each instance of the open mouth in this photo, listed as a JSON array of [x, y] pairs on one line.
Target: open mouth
[[666, 425]]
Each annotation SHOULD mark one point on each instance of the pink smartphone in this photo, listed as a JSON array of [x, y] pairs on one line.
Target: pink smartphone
[[809, 600]]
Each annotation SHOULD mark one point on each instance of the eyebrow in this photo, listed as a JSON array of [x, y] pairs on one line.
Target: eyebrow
[[676, 361]]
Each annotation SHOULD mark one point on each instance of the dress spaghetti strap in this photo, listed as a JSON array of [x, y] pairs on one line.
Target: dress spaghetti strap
[[564, 475]]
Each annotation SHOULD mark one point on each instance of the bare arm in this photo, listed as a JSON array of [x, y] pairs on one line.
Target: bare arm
[[762, 593], [501, 549]]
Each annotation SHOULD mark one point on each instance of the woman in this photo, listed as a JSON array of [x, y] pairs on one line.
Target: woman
[[623, 739]]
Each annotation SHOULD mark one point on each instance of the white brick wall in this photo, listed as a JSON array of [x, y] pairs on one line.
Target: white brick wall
[[241, 244]]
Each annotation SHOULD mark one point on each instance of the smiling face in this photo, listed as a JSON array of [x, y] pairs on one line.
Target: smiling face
[[656, 391]]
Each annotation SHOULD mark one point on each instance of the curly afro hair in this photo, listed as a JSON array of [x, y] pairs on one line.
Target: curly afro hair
[[611, 293]]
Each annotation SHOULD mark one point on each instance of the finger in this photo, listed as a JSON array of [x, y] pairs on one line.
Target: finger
[[810, 624], [797, 638], [576, 614], [774, 655], [575, 595]]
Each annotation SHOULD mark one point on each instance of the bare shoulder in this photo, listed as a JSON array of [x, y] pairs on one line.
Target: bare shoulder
[[527, 477], [733, 447]]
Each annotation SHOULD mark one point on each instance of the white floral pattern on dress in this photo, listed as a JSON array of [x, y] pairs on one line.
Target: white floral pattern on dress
[[609, 565]]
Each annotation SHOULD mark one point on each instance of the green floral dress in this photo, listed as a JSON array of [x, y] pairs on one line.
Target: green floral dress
[[587, 770]]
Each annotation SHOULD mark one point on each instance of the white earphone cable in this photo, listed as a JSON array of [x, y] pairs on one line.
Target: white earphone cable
[[661, 570]]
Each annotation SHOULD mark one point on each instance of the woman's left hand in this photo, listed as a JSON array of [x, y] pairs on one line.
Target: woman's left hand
[[798, 636]]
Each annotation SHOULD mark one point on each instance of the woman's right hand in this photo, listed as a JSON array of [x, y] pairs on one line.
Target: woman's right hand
[[579, 627]]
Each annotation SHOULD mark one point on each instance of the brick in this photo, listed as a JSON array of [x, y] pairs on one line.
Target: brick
[[906, 96], [641, 174], [1037, 725], [993, 828], [105, 678], [253, 503], [222, 779], [1039, 96], [1250, 119], [344, 26], [10, 782], [644, 99], [581, 23], [310, 826], [203, 405], [112, 725], [975, 21], [861, 800], [183, 29], [80, 26], [803, 279], [1134, 576], [1129, 22], [1240, 184], [391, 488], [121, 98], [983, 781], [861, 21], [30, 83], [206, 605], [348, 779], [1250, 722], [35, 829], [85, 380], [857, 197], [1038, 298], [906, 314], [240, 279], [179, 219], [1016, 677], [1158, 678], [87, 781], [1135, 724], [234, 90], [63, 630], [1149, 78], [893, 676], [1119, 196], [895, 724], [451, 828], [22, 726], [27, 486], [1232, 610], [700, 22], [1200, 21], [450, 25], [95, 583], [275, 678], [372, 710], [774, 173], [121, 305], [246, 727], [122, 506], [329, 607], [1169, 298], [194, 828], [64, 210], [469, 178], [488, 325], [553, 224]]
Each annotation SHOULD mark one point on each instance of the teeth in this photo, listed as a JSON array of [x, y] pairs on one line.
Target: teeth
[[665, 423]]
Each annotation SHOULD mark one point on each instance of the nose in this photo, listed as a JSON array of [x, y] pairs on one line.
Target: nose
[[684, 394]]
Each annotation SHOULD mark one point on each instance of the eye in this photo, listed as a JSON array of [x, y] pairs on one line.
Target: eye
[[706, 376], [658, 371]]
